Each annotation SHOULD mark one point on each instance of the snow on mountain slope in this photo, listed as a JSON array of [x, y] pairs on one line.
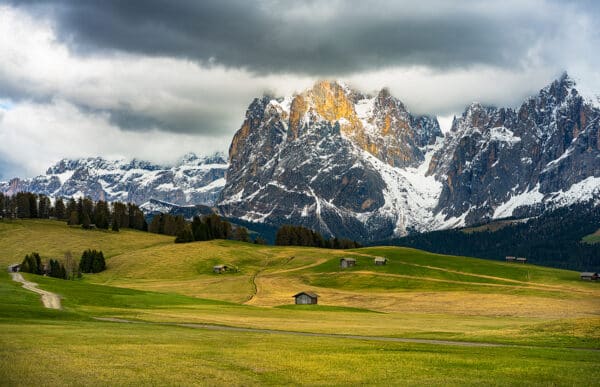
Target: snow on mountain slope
[[194, 180]]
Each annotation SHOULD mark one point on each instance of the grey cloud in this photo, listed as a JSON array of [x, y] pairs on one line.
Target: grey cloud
[[314, 38]]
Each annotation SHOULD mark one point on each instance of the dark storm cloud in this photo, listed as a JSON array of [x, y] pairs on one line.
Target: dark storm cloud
[[315, 38]]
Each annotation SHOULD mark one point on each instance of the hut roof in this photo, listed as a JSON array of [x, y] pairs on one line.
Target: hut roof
[[310, 294], [588, 274], [349, 259], [219, 266], [380, 259]]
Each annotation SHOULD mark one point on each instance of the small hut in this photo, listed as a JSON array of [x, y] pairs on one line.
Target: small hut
[[521, 260], [511, 259], [380, 261], [306, 298], [589, 276], [347, 262], [14, 268], [218, 269]]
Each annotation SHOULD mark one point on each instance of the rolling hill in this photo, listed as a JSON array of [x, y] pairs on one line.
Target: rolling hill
[[168, 288]]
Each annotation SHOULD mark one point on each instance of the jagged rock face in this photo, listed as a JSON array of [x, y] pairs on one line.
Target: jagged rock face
[[301, 160], [193, 181], [495, 159]]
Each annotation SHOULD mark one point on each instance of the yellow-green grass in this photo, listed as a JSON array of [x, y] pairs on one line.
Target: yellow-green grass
[[93, 353], [53, 239], [592, 238], [422, 294], [48, 347]]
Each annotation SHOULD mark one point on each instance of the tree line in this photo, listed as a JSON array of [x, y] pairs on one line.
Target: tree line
[[83, 211], [203, 228], [551, 239], [92, 261], [289, 235]]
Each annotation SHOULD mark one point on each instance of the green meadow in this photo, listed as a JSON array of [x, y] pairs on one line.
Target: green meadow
[[546, 322]]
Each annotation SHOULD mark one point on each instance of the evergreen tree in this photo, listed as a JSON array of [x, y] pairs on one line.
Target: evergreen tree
[[241, 234], [59, 209], [101, 215], [85, 222], [115, 225], [33, 205], [185, 235], [73, 218], [22, 205], [98, 264], [44, 207], [260, 241]]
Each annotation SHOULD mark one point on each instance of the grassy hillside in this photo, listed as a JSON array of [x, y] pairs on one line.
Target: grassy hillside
[[592, 238], [416, 295]]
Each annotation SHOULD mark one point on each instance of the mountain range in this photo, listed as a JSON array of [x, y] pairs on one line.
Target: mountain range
[[362, 166]]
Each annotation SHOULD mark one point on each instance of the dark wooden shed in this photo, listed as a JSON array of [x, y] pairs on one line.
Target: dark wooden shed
[[14, 268], [306, 298], [347, 262], [380, 261], [510, 259], [589, 276], [521, 260], [220, 269]]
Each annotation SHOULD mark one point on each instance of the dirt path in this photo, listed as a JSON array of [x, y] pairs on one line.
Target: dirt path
[[335, 336], [49, 299], [309, 334]]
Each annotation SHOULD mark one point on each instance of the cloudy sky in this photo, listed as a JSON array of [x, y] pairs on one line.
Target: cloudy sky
[[156, 79]]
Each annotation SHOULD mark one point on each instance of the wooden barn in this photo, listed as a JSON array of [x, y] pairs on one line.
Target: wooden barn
[[14, 268], [521, 260], [220, 269], [589, 276], [347, 262], [306, 298], [380, 261], [511, 258]]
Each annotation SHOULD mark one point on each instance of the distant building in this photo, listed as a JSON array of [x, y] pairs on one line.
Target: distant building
[[306, 298], [347, 262], [589, 276], [521, 260], [380, 261], [14, 268], [510, 259], [220, 269]]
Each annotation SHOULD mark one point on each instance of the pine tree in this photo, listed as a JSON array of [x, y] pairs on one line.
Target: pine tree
[[185, 235], [241, 234], [115, 225], [73, 218], [98, 263], [22, 205], [260, 241], [85, 221], [59, 209], [33, 205], [44, 207]]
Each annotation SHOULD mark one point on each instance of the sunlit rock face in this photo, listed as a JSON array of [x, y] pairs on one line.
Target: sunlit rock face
[[362, 166], [315, 159]]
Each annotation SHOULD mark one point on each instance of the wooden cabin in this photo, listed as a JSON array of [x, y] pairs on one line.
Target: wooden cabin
[[218, 269], [521, 260], [306, 298], [380, 261], [347, 262], [14, 268], [510, 259], [589, 276]]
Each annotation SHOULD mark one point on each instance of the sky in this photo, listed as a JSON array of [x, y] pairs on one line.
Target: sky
[[157, 79]]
